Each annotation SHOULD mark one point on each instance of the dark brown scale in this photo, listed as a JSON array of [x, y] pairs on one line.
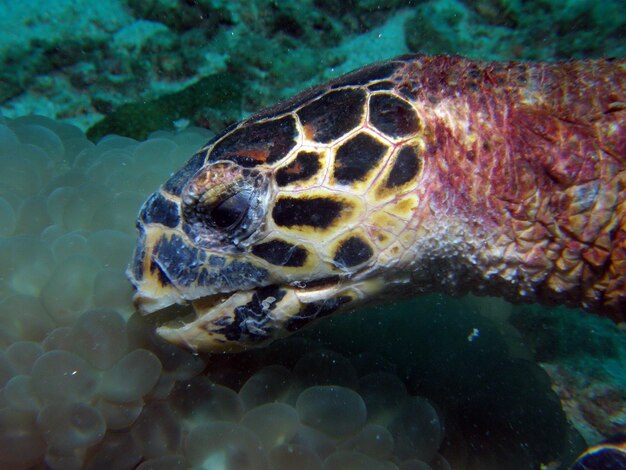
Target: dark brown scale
[[140, 254], [178, 260], [352, 252], [331, 116], [315, 311], [304, 166], [405, 168], [258, 143], [281, 253], [178, 180], [360, 77], [163, 279], [380, 71], [408, 90], [160, 210], [355, 158], [393, 116], [381, 86], [317, 212], [291, 104]]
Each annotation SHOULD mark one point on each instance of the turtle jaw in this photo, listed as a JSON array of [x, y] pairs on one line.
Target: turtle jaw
[[252, 318]]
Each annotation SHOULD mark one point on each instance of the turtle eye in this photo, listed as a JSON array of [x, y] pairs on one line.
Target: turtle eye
[[231, 211], [223, 205]]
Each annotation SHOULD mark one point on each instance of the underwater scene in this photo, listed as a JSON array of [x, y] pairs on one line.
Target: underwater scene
[[186, 332]]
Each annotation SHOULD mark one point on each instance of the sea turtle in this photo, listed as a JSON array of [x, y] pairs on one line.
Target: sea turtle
[[409, 176]]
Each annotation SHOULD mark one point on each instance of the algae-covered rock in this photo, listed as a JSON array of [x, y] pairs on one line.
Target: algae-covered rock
[[452, 27]]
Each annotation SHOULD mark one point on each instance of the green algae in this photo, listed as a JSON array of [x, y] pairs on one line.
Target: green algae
[[217, 94]]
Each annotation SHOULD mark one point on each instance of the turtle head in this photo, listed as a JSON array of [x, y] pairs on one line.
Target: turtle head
[[248, 256], [286, 217]]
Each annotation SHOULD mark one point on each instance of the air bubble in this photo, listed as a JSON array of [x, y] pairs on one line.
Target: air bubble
[[68, 245], [32, 216], [200, 400], [61, 376], [111, 289], [293, 456], [75, 146], [163, 387], [267, 385], [58, 200], [69, 426], [154, 153], [99, 337], [26, 264], [42, 137], [51, 233], [21, 443], [273, 423], [119, 415], [107, 163], [416, 430], [68, 292], [440, 463], [336, 411], [225, 446], [348, 460], [132, 377], [157, 431], [18, 392], [6, 371], [23, 317], [316, 441], [18, 175], [116, 450], [373, 440], [69, 460], [22, 355], [59, 338], [8, 218], [325, 367], [414, 464], [120, 212], [80, 210], [7, 137], [383, 393], [112, 248], [171, 462], [177, 363]]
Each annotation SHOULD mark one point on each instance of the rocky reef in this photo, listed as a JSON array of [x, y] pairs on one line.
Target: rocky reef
[[80, 62]]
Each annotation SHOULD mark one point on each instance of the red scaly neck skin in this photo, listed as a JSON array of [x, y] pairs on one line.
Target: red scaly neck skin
[[523, 192]]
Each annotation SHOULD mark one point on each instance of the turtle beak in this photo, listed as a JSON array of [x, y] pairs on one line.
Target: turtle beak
[[153, 289]]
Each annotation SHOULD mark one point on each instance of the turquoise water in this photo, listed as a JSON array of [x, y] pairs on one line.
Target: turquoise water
[[435, 382]]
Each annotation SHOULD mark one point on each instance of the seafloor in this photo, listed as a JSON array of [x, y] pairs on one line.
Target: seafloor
[[437, 383]]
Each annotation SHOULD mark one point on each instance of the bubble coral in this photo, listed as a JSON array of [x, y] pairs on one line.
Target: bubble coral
[[84, 382]]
